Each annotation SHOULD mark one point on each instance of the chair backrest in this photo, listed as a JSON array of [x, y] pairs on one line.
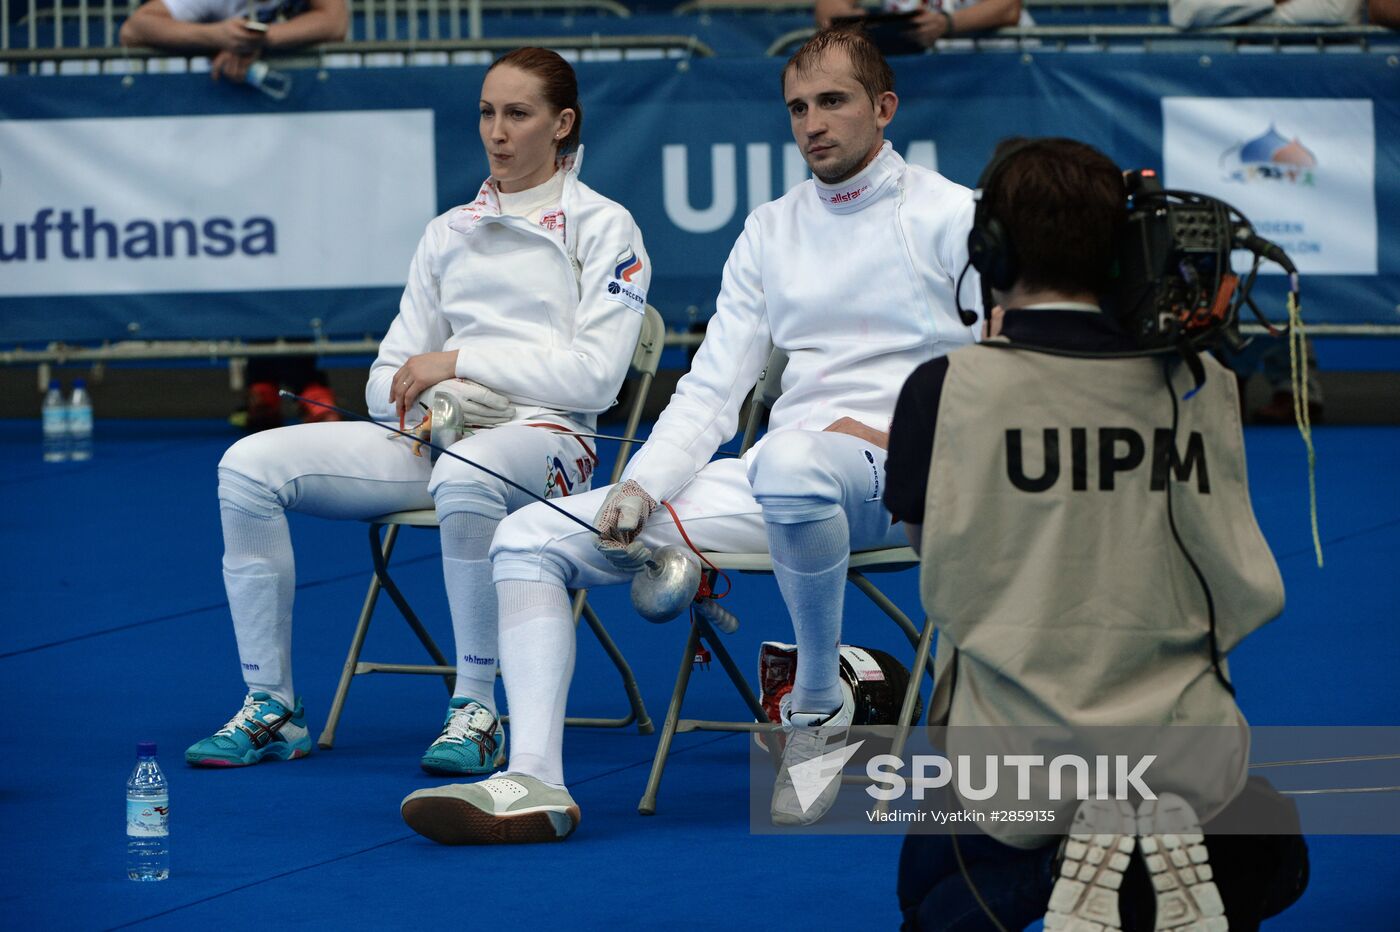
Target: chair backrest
[[650, 342], [645, 360], [765, 393]]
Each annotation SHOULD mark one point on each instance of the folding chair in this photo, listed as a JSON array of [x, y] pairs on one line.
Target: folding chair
[[862, 563], [645, 360]]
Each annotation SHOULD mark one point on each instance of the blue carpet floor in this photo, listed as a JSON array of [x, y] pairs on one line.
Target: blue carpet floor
[[113, 628]]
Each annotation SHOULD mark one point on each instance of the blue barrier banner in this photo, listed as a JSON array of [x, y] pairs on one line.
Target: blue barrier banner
[[170, 206]]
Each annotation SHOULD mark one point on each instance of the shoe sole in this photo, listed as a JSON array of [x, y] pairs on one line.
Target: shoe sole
[[1097, 852], [430, 766], [446, 771], [450, 821], [1173, 848], [224, 762]]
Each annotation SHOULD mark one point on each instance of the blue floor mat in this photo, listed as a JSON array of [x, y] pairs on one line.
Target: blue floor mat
[[115, 630]]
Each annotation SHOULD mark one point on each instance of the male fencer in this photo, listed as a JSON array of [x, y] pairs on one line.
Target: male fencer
[[852, 274]]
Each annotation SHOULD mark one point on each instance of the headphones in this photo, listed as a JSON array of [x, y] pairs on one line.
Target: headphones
[[989, 249]]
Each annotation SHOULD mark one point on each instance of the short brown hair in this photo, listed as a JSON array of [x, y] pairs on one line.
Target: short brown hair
[[1062, 204], [558, 81], [868, 66]]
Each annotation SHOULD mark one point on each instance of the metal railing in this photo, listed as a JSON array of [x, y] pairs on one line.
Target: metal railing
[[236, 352], [99, 21], [703, 7], [1162, 38], [691, 7], [365, 12], [58, 353], [358, 54]]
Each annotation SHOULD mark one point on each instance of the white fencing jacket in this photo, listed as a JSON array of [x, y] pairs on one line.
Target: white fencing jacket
[[854, 282], [545, 313]]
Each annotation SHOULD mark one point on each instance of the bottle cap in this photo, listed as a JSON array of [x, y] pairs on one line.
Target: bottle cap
[[80, 383], [54, 383], [145, 749]]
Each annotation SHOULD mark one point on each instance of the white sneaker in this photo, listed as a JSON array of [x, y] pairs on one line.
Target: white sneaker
[[1096, 853], [1173, 848], [508, 808], [814, 754]]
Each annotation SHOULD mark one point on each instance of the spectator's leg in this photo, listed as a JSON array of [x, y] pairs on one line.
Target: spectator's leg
[[262, 408]]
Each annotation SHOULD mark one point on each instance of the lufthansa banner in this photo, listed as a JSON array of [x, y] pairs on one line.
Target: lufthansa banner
[[213, 203]]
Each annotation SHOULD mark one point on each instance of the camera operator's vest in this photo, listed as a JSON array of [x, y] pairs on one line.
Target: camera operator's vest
[[1048, 560]]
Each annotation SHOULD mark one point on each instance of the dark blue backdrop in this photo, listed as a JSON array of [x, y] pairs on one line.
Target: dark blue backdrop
[[963, 103]]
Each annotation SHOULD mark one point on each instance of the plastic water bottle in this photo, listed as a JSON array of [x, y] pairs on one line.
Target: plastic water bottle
[[80, 421], [275, 84], [55, 412], [147, 818]]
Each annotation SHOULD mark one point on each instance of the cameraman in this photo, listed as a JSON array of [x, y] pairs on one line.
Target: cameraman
[[1053, 507]]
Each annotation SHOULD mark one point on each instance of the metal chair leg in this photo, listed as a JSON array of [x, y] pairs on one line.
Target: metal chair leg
[[668, 728], [730, 667], [327, 739], [911, 697], [381, 571], [911, 692], [892, 611], [760, 714], [638, 712]]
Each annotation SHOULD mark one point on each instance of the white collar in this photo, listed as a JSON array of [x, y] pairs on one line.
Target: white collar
[[488, 200], [865, 186], [522, 203]]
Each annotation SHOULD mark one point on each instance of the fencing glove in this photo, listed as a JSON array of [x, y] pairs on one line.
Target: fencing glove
[[619, 522], [478, 405]]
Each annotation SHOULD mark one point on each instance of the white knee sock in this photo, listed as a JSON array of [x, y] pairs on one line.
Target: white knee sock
[[537, 661], [466, 540], [809, 562], [260, 579]]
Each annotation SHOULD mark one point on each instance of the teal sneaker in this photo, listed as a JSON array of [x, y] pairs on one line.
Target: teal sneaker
[[264, 728], [472, 741]]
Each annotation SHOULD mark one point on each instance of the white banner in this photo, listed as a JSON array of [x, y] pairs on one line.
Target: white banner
[[1302, 170], [213, 203]]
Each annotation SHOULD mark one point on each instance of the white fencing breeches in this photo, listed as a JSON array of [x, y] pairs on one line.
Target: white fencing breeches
[[793, 477], [357, 471], [799, 475]]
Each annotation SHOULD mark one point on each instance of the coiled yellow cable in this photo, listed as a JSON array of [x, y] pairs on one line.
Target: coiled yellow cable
[[1297, 359]]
